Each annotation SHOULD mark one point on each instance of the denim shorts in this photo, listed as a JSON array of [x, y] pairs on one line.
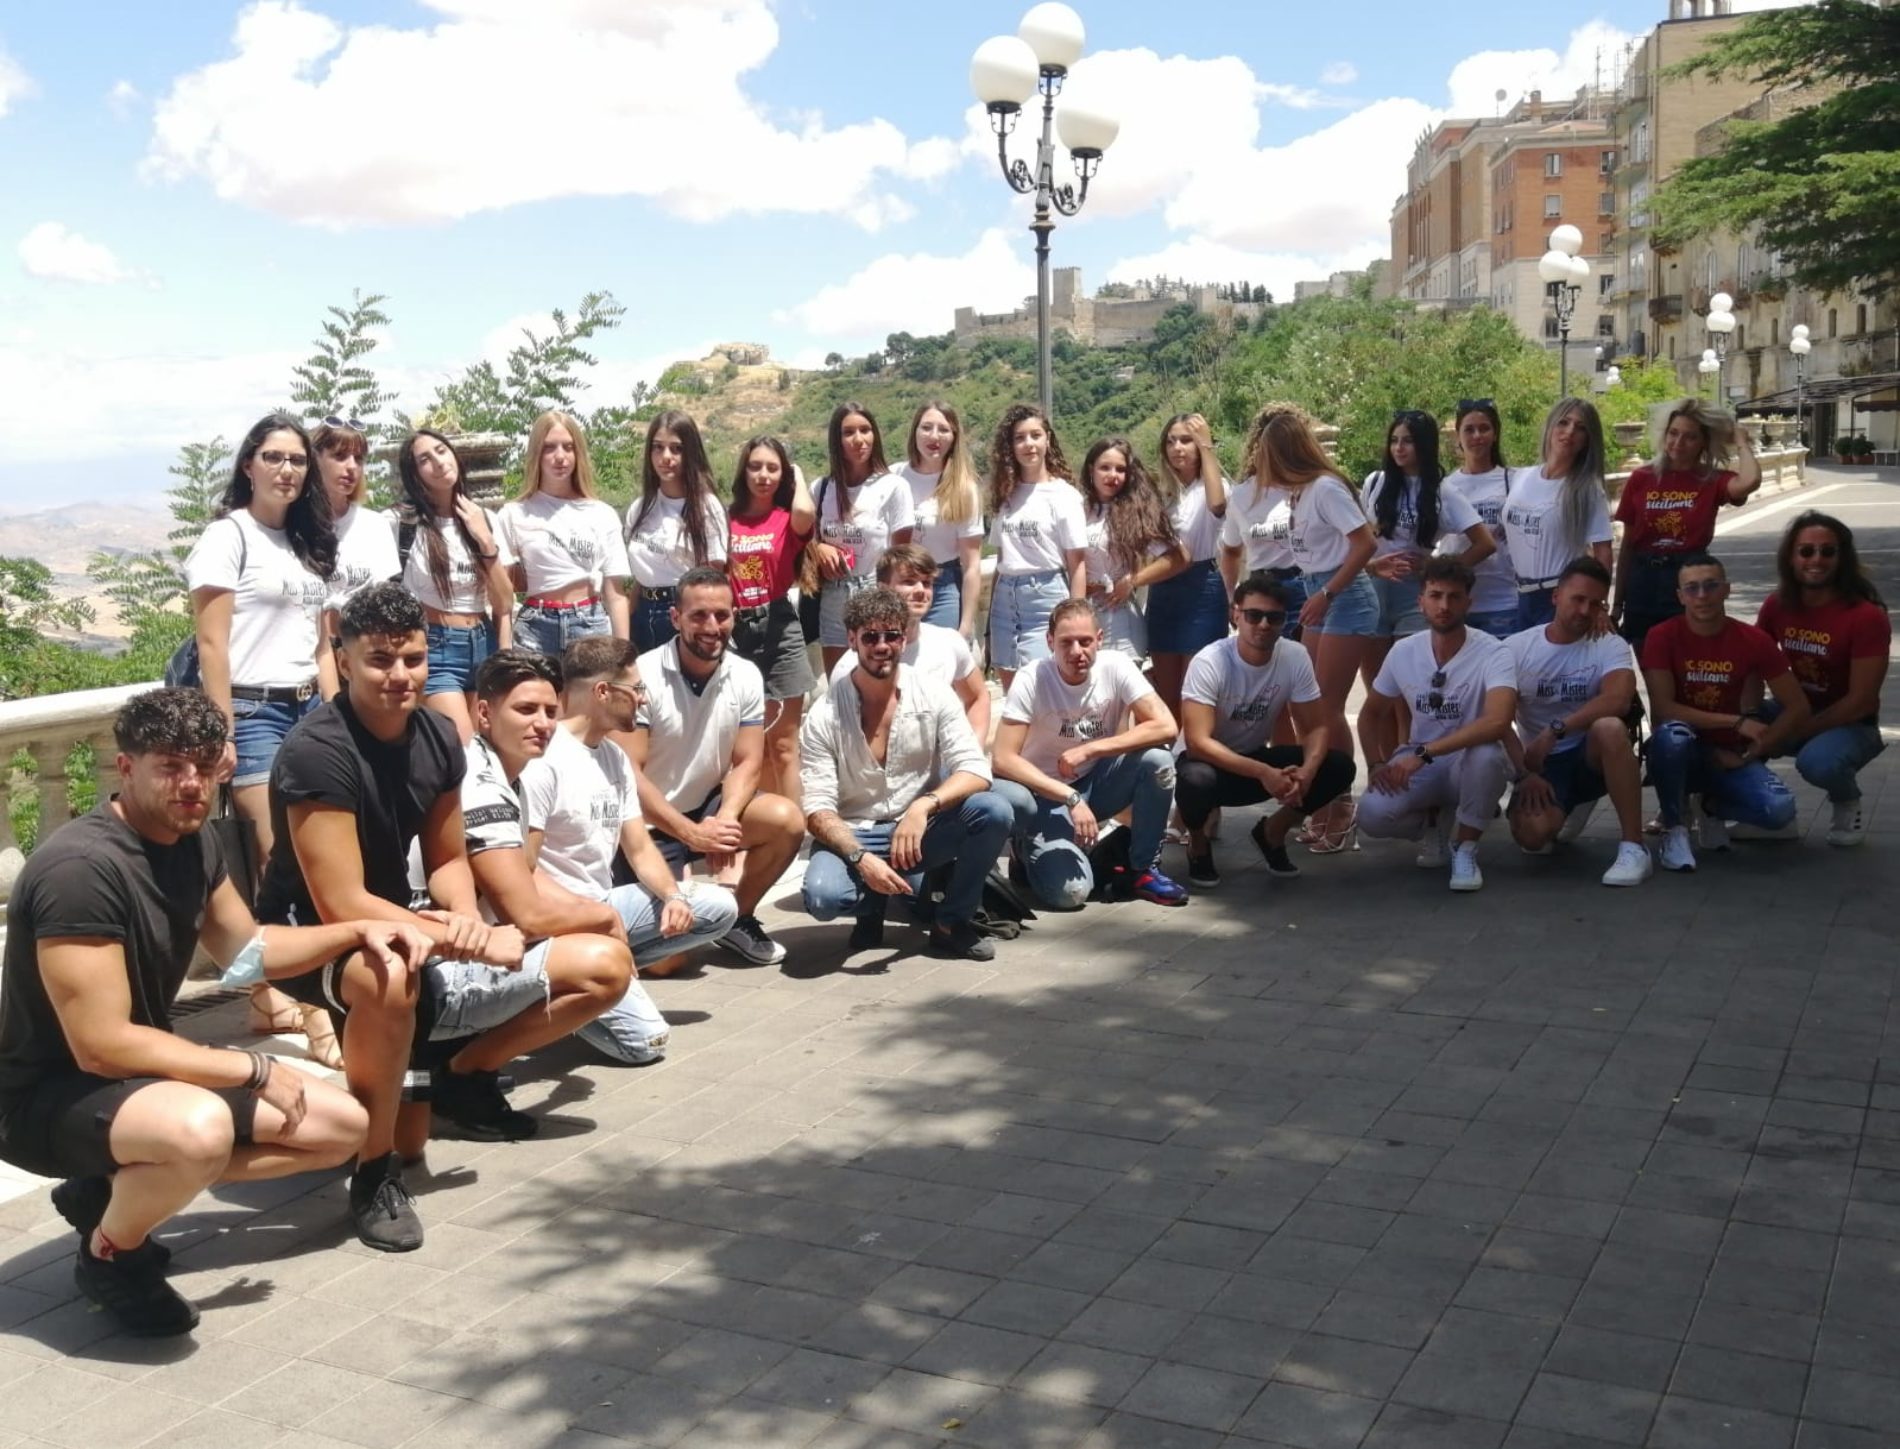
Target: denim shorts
[[456, 651], [549, 631], [472, 997], [1571, 778], [260, 727], [653, 620], [1188, 612], [1354, 611], [1398, 608], [1020, 606], [1498, 623], [1124, 630], [831, 601], [946, 596]]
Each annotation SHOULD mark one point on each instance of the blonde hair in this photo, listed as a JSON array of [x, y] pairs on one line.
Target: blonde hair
[[1583, 484], [1718, 434], [955, 494], [531, 464], [1282, 449]]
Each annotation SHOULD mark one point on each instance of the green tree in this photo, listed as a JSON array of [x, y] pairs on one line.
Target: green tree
[[29, 662], [541, 371], [1819, 185], [1641, 383], [333, 381]]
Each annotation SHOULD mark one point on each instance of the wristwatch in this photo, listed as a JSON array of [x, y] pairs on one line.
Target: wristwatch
[[1559, 729], [1423, 752], [1075, 799], [855, 856]]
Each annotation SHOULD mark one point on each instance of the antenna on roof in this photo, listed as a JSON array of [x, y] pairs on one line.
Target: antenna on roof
[[1498, 96]]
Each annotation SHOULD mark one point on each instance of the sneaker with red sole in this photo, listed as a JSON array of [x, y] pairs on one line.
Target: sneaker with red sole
[[1154, 887]]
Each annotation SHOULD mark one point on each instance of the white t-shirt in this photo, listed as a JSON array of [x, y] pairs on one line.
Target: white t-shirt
[[468, 576], [1099, 559], [659, 549], [1555, 680], [880, 510], [1258, 522], [1038, 525], [1455, 515], [1061, 715], [691, 735], [1480, 665], [938, 653], [1247, 699], [941, 539], [276, 603], [1534, 525], [579, 798], [1194, 522], [365, 553], [563, 541], [1323, 514], [491, 818], [1496, 590]]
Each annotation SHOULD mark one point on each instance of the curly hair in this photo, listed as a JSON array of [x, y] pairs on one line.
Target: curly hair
[[1850, 577], [170, 722], [1005, 474], [383, 610], [308, 526], [1138, 518], [872, 607]]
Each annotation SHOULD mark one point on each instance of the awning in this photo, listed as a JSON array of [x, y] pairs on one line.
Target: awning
[[1824, 389]]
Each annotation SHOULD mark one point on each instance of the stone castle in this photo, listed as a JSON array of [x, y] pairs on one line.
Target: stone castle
[[1100, 321]]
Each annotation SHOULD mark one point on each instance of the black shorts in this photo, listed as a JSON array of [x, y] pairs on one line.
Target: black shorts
[[324, 987], [62, 1127], [1572, 780], [678, 853]]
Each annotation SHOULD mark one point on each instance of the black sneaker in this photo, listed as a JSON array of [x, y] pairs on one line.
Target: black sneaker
[[961, 942], [382, 1208], [475, 1103], [1278, 861], [867, 932], [748, 939], [131, 1287], [1203, 874], [82, 1202]]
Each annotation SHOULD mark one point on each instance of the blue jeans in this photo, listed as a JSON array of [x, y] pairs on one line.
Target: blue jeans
[[1535, 608], [653, 622], [260, 727], [456, 651], [1680, 764], [1499, 624], [632, 1030], [1020, 606], [1059, 872], [1189, 611], [549, 631], [946, 596], [971, 836], [1832, 760]]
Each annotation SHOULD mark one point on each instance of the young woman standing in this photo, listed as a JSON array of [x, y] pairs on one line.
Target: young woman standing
[[1558, 510], [1131, 541], [454, 564], [1040, 534], [949, 513], [1412, 511], [1187, 610], [365, 539], [677, 523], [1668, 510], [772, 521], [863, 508], [1483, 481], [258, 577], [570, 561]]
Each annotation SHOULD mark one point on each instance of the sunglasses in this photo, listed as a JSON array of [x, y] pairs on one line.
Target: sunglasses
[[1476, 404], [1817, 550], [881, 636], [271, 458], [1264, 616], [1703, 586], [1436, 699], [350, 423], [1410, 415]]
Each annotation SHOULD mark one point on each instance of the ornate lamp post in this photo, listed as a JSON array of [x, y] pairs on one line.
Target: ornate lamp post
[[1720, 321], [1563, 273], [1005, 72], [1710, 367], [1799, 345]]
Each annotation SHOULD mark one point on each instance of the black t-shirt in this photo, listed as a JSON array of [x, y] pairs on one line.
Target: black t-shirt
[[97, 876], [328, 758]]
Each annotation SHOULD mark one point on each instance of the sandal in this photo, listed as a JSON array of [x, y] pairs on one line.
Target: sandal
[[320, 1040], [294, 1018], [1338, 837], [272, 1012]]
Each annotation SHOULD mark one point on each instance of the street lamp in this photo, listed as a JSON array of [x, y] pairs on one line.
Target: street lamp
[[1005, 72], [1563, 273], [1612, 376], [1709, 367], [1720, 321], [1799, 345]]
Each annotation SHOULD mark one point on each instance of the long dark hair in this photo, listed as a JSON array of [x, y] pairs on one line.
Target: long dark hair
[[415, 496], [696, 476], [1490, 410], [1137, 517], [1004, 474], [308, 525], [787, 484], [1423, 431], [1850, 579], [834, 451]]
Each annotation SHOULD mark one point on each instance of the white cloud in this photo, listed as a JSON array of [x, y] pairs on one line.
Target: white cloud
[[429, 125], [55, 253], [1594, 54], [913, 293], [15, 83], [123, 99], [1339, 73]]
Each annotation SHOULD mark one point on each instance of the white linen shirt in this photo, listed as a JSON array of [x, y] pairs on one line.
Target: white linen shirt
[[930, 740]]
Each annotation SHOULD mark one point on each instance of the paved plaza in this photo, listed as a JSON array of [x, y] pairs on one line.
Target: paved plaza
[[1342, 1161]]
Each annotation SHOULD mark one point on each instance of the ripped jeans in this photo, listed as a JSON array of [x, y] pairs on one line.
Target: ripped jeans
[[1058, 868]]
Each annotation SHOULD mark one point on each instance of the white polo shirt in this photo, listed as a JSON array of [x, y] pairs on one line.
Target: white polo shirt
[[691, 732]]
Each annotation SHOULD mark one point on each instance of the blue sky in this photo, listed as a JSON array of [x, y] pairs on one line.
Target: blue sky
[[189, 185]]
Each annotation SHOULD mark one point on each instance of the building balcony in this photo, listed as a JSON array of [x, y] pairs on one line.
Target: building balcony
[[1666, 308]]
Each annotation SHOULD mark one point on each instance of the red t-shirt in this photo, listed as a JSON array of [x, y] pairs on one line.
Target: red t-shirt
[[762, 558], [1671, 514], [1820, 644], [1712, 672]]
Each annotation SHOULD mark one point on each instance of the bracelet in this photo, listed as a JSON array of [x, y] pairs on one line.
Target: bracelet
[[676, 896], [489, 557], [260, 1071]]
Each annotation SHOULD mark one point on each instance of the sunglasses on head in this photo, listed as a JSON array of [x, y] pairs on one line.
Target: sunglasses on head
[[1817, 550], [1410, 415], [1476, 404], [1264, 616], [350, 423], [881, 636]]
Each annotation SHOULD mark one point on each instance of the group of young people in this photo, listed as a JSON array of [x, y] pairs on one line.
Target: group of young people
[[476, 817]]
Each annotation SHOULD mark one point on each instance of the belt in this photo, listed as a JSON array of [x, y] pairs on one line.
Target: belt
[[555, 606], [1282, 575], [276, 693], [1658, 560], [1535, 586], [756, 611], [662, 595]]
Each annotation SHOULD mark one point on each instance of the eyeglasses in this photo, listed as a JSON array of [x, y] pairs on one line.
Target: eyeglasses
[[881, 636], [350, 423], [1817, 550], [1476, 404], [1264, 616], [638, 691], [1703, 586], [274, 459]]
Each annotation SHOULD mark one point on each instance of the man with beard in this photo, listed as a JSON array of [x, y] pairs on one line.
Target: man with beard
[[698, 745], [94, 1086], [1461, 688], [896, 786]]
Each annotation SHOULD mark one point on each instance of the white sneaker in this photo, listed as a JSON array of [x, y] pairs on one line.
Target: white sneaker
[[1631, 866], [1711, 831], [1742, 830], [1434, 848], [1465, 875], [1674, 853], [1846, 828], [1577, 821]]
